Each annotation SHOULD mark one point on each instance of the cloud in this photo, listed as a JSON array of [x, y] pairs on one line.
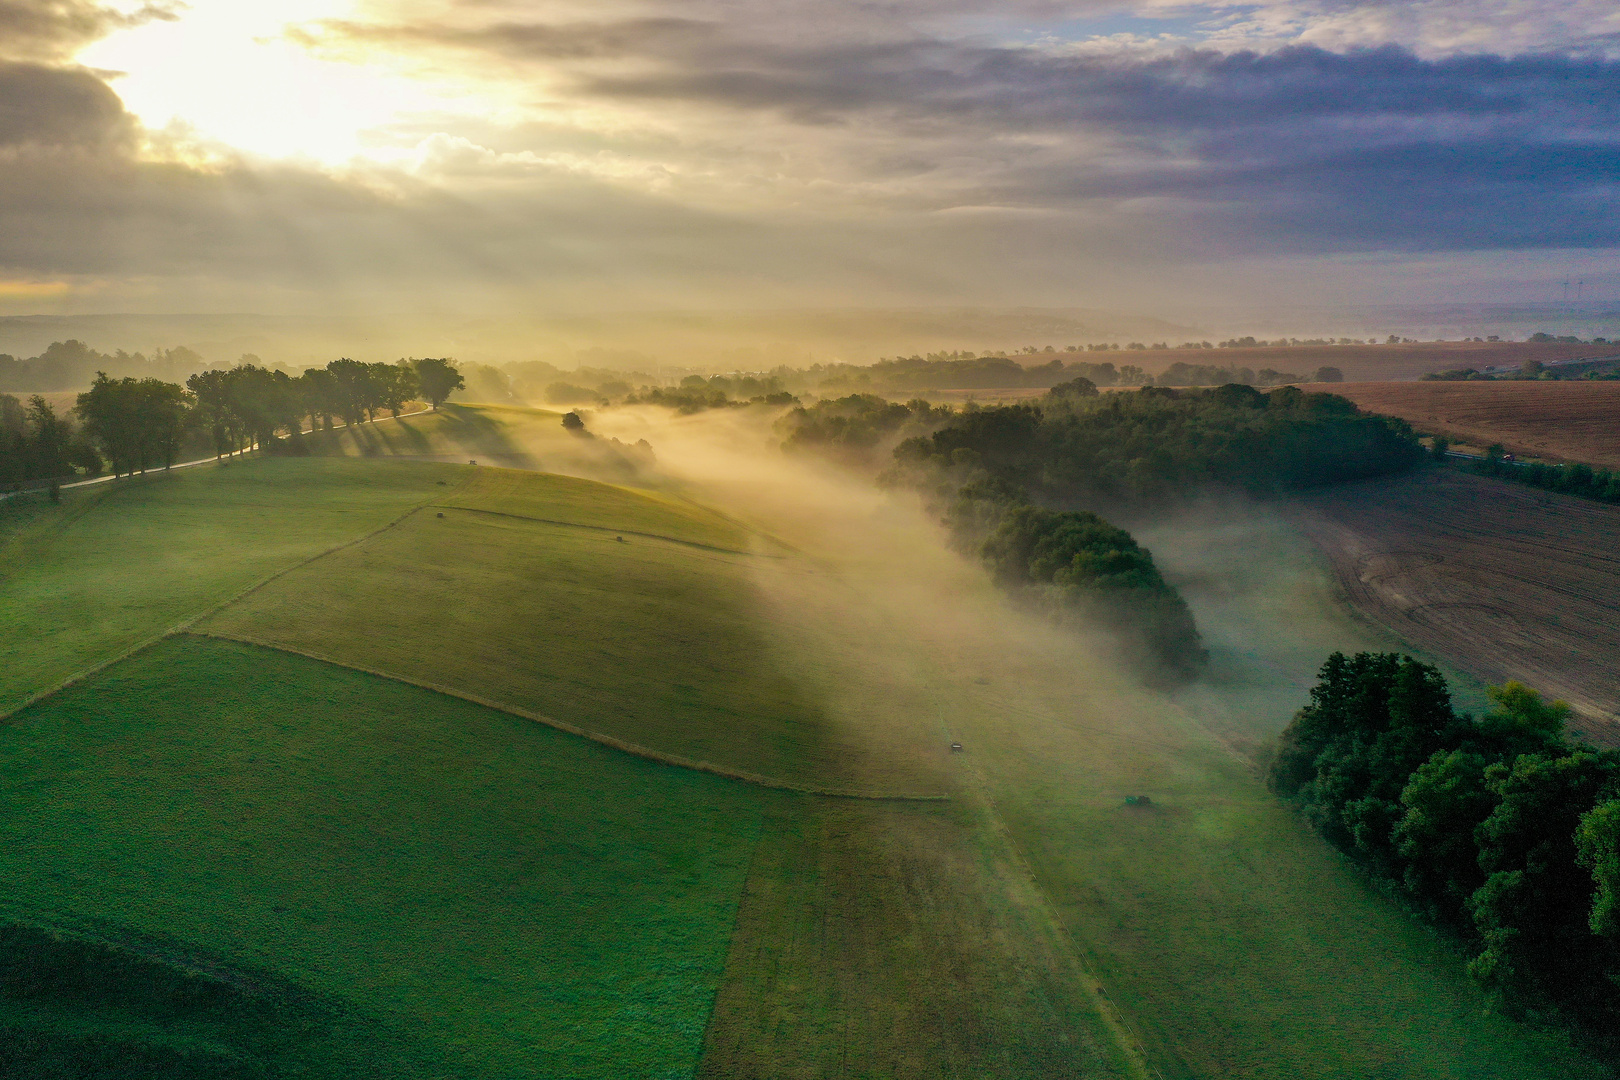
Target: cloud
[[43, 106], [54, 29], [1293, 148], [828, 149]]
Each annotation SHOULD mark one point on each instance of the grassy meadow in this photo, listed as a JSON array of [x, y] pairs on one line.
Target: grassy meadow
[[469, 893], [117, 563], [362, 866], [651, 636]]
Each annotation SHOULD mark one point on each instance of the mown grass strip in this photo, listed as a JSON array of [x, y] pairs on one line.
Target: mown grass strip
[[606, 740]]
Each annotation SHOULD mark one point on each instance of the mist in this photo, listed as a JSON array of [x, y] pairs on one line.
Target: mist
[[943, 641]]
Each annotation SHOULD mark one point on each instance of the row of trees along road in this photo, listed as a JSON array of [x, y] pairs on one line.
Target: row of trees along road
[[131, 425]]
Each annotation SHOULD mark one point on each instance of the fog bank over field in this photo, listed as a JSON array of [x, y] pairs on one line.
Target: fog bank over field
[[1261, 594]]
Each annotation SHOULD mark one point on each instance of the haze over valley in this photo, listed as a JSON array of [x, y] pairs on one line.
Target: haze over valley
[[743, 540]]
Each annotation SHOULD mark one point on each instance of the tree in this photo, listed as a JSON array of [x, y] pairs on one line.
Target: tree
[[396, 384], [109, 412], [160, 417], [1597, 843], [1445, 801], [1534, 910], [139, 422], [50, 440], [438, 379], [573, 422], [1329, 374], [213, 410], [320, 396], [1374, 718], [356, 393]]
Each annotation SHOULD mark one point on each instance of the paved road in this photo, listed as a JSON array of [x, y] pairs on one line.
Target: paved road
[[204, 461]]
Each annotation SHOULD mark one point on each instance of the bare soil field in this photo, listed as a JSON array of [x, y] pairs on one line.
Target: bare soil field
[[1500, 580], [1564, 421]]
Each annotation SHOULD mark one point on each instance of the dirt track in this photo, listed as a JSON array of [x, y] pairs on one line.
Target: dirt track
[[1500, 580], [1565, 421]]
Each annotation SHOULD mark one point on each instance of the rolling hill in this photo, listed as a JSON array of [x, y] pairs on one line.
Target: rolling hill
[[341, 820]]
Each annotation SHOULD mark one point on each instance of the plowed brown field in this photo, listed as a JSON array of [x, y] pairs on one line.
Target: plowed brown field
[[1565, 421], [1500, 580]]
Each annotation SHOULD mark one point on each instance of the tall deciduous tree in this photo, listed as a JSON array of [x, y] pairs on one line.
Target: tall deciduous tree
[[438, 379]]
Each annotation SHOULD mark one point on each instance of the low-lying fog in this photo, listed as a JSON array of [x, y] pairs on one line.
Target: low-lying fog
[[929, 617]]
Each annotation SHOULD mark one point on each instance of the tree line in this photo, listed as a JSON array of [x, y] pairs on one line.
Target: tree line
[[1578, 479], [1009, 478], [1159, 442], [853, 426], [1499, 828], [131, 425]]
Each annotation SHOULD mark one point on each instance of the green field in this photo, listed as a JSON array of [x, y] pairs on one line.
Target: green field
[[476, 894], [117, 563], [651, 636], [487, 896]]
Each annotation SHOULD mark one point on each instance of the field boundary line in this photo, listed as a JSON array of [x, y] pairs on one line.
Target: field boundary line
[[634, 749], [191, 620], [605, 528]]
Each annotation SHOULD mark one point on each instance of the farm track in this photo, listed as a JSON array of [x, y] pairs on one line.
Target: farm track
[[1567, 421], [1502, 581]]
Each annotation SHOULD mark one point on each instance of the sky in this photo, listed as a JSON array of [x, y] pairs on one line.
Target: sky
[[492, 156]]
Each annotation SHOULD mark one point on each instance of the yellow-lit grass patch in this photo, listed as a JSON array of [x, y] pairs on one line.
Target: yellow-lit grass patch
[[644, 639]]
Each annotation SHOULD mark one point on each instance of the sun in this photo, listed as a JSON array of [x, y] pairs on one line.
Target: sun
[[224, 72]]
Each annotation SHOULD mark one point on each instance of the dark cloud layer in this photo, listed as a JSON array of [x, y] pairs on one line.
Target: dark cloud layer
[[1296, 149], [44, 106], [850, 154]]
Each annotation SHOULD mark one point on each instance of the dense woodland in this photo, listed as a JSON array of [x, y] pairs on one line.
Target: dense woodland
[[1498, 828], [1159, 442], [1010, 479]]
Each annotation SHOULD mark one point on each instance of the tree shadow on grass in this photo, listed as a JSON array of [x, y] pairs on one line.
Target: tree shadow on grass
[[76, 1005]]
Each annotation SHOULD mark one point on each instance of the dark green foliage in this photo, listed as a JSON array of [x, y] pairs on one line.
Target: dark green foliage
[[855, 424], [1080, 563], [1497, 827], [1578, 479], [37, 445], [438, 379], [1372, 721], [1075, 565], [1156, 442], [1599, 843], [1534, 910], [138, 423]]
